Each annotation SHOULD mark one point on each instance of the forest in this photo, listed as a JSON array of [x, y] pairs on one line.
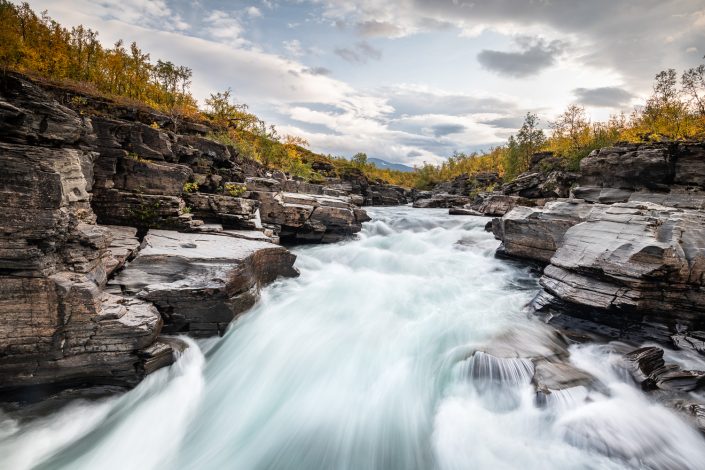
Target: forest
[[39, 46]]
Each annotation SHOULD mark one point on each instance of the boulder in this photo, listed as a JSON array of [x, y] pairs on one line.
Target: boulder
[[496, 205], [386, 195], [230, 212], [463, 211], [635, 257], [535, 233], [442, 200], [541, 184], [310, 218], [201, 282]]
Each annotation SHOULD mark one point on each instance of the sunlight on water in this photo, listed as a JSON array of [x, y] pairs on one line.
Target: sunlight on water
[[372, 359]]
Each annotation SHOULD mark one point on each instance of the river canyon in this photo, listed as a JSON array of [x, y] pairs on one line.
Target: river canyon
[[407, 347]]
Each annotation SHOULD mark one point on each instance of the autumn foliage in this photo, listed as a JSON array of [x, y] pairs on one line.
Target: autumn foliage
[[39, 46]]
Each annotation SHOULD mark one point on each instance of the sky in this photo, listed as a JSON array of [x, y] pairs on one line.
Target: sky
[[408, 81]]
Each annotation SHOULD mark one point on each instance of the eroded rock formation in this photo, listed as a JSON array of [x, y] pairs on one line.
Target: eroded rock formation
[[187, 225], [629, 253]]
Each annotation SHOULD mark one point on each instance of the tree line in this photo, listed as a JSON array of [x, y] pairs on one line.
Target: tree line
[[674, 111], [37, 44], [40, 46]]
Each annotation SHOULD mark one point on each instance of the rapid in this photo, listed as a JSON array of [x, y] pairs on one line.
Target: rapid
[[369, 360]]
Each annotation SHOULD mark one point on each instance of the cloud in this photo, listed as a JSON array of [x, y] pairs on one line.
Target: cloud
[[441, 130], [360, 53], [253, 12], [605, 97], [225, 27], [416, 100], [626, 36], [379, 28], [535, 56], [317, 71], [294, 47], [506, 122]]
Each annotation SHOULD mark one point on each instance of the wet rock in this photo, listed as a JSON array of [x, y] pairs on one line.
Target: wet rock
[[463, 211], [560, 382], [62, 330], [553, 376], [386, 195], [443, 200], [536, 233], [643, 363], [693, 340], [201, 282], [681, 380], [310, 218]]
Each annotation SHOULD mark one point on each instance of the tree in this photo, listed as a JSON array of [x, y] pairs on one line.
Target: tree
[[513, 158], [530, 139], [359, 159], [571, 126], [693, 82], [228, 114]]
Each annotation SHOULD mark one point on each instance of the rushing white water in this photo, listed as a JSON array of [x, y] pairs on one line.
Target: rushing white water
[[366, 362]]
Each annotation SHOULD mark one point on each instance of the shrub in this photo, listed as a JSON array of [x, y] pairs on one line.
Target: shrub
[[190, 187], [234, 189]]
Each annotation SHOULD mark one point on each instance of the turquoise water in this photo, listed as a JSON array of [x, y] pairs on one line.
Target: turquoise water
[[361, 363]]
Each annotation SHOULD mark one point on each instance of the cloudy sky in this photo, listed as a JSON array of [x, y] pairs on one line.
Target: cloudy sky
[[408, 80]]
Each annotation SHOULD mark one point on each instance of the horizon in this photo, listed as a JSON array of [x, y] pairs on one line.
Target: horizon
[[366, 79]]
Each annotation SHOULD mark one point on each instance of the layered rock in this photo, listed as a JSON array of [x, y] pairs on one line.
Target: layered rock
[[534, 233], [58, 327], [631, 269], [672, 174], [305, 217], [201, 282], [60, 172], [634, 257], [441, 200]]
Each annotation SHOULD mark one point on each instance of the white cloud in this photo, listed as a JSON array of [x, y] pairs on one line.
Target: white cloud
[[294, 47], [253, 12]]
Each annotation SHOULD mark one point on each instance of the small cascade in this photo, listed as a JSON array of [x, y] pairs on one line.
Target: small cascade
[[487, 370]]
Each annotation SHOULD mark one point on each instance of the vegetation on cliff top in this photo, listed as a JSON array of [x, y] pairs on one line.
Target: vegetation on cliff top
[[38, 45]]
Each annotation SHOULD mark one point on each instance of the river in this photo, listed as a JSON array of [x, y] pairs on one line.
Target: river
[[365, 362]]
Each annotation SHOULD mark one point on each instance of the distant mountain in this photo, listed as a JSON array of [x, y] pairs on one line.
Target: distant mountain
[[385, 165]]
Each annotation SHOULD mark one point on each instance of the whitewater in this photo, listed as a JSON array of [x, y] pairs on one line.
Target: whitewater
[[369, 360]]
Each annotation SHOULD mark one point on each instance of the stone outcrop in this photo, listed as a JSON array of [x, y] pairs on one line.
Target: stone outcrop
[[633, 257], [441, 200], [671, 174], [305, 217], [80, 190], [58, 326], [200, 282], [534, 233], [628, 257]]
